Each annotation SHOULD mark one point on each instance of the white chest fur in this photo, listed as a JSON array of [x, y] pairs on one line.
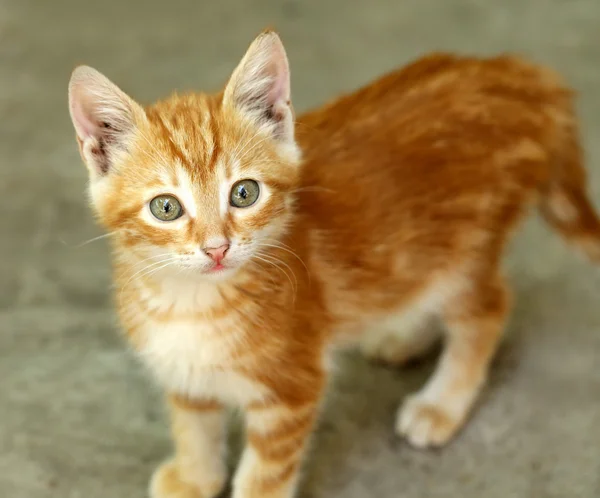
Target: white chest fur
[[194, 356]]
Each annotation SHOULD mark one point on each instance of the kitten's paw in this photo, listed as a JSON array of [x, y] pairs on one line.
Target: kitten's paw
[[167, 483], [425, 424]]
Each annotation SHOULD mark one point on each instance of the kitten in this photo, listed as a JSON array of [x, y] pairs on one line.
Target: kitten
[[239, 261]]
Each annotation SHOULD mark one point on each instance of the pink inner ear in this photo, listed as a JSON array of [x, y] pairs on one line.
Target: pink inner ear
[[279, 90], [83, 116]]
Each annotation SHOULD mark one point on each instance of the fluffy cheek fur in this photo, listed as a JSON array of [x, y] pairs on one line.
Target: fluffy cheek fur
[[254, 232]]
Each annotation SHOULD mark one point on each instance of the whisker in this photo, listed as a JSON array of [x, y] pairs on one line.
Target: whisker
[[251, 261], [154, 270], [241, 145], [247, 151], [314, 188], [153, 257], [147, 273], [242, 149], [250, 131], [281, 270], [235, 154], [94, 239], [149, 266], [155, 149], [137, 263], [275, 260], [286, 249]]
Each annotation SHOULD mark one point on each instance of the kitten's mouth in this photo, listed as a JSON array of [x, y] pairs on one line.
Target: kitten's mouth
[[216, 268], [219, 269]]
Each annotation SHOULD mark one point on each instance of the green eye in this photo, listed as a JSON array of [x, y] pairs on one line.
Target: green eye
[[166, 208], [244, 193]]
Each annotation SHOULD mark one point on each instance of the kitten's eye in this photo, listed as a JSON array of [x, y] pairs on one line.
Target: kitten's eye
[[244, 193], [166, 208]]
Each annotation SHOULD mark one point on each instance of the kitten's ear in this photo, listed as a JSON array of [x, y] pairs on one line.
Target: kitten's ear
[[104, 118], [260, 87]]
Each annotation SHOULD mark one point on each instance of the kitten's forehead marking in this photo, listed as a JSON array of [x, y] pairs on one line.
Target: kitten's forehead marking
[[190, 129], [186, 190], [224, 189], [209, 144]]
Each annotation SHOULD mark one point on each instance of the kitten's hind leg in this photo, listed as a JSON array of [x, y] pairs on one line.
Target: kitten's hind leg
[[400, 339], [475, 321]]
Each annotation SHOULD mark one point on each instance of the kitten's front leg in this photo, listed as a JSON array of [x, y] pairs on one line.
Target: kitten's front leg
[[277, 436], [198, 468]]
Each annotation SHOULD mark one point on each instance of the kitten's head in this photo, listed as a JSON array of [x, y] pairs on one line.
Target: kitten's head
[[203, 182]]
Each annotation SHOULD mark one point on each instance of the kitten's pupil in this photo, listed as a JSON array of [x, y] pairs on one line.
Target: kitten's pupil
[[167, 206], [242, 192]]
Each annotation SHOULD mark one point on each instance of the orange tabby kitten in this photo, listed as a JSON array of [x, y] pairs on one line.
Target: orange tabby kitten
[[245, 246]]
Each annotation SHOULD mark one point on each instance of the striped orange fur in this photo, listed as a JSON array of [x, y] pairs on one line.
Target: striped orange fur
[[385, 208]]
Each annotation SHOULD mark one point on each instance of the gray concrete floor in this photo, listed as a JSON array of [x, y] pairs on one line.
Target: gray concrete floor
[[78, 417]]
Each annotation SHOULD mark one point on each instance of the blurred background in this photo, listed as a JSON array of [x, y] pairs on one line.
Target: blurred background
[[79, 417]]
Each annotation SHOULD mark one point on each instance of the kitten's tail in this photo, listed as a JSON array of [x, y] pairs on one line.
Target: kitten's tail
[[565, 204]]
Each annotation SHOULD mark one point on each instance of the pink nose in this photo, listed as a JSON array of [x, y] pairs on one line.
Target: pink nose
[[216, 253]]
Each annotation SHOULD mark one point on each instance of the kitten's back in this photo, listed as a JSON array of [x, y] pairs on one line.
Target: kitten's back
[[448, 143]]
